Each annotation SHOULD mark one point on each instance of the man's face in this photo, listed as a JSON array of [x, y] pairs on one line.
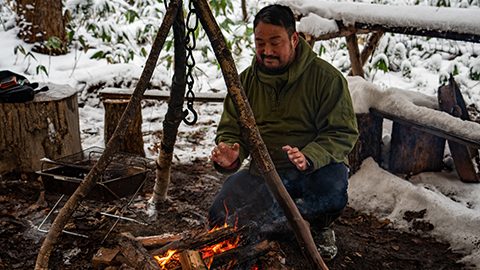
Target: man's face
[[274, 49]]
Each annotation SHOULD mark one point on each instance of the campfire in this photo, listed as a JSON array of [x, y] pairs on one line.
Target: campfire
[[226, 247]]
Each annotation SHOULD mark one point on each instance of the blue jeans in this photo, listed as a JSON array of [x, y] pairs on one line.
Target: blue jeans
[[320, 196]]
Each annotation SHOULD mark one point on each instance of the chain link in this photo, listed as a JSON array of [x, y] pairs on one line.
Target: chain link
[[190, 44]]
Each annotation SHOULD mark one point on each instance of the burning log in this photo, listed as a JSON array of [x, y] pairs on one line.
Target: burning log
[[201, 240], [219, 248], [243, 254], [192, 260]]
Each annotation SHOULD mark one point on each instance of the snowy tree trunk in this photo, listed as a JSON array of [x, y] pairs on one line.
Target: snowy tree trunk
[[40, 21], [174, 114], [132, 109], [48, 127]]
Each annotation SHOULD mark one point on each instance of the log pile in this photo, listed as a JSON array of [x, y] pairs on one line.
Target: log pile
[[220, 248]]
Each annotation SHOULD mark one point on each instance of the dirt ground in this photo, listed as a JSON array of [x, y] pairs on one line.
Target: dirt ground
[[363, 241]]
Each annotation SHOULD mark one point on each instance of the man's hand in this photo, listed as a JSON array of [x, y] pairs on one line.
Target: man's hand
[[296, 157], [225, 155]]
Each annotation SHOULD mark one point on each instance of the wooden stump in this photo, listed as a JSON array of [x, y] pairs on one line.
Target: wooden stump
[[369, 143], [48, 127], [133, 141]]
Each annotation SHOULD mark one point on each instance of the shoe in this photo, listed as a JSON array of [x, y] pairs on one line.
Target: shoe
[[326, 244]]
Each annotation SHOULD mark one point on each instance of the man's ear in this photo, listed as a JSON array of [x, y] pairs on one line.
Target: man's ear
[[295, 39]]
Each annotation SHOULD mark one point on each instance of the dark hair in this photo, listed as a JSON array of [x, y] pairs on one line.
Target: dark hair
[[276, 15]]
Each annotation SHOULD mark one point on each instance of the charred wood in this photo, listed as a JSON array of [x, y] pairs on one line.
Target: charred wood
[[243, 254], [136, 255], [200, 240], [192, 260]]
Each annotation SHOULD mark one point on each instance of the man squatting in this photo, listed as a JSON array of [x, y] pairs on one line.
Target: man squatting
[[304, 113]]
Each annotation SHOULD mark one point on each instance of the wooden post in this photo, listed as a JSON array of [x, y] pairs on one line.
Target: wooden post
[[369, 143], [111, 148], [413, 151], [251, 133], [451, 101], [133, 142], [48, 127], [369, 48], [354, 53], [174, 114]]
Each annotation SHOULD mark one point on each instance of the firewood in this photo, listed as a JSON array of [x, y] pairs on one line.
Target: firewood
[[136, 255], [104, 257], [243, 254], [192, 260], [153, 241], [200, 240]]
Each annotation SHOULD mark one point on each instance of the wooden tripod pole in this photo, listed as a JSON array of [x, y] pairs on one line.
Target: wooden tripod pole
[[174, 114], [251, 133], [112, 146]]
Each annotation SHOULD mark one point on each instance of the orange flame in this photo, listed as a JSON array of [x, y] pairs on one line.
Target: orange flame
[[209, 252], [166, 259]]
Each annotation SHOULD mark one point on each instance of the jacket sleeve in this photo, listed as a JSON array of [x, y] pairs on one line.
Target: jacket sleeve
[[228, 131], [336, 126]]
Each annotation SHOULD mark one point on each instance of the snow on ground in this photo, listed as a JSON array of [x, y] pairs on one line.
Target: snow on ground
[[414, 63]]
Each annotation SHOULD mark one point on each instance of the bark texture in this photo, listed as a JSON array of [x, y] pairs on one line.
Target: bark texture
[[252, 134], [354, 53], [174, 114], [41, 20], [111, 148], [48, 127], [369, 143], [133, 142], [413, 151]]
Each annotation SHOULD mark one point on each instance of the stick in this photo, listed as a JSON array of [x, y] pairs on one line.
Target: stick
[[174, 114], [250, 131]]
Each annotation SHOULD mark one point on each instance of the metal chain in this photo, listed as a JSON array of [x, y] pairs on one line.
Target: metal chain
[[190, 44]]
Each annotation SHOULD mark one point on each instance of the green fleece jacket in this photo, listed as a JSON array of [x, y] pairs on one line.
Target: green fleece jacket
[[309, 107]]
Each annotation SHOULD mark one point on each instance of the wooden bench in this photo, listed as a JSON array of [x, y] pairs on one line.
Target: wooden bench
[[118, 93], [417, 147]]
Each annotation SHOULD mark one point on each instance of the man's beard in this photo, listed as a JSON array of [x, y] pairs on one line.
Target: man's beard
[[272, 71]]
